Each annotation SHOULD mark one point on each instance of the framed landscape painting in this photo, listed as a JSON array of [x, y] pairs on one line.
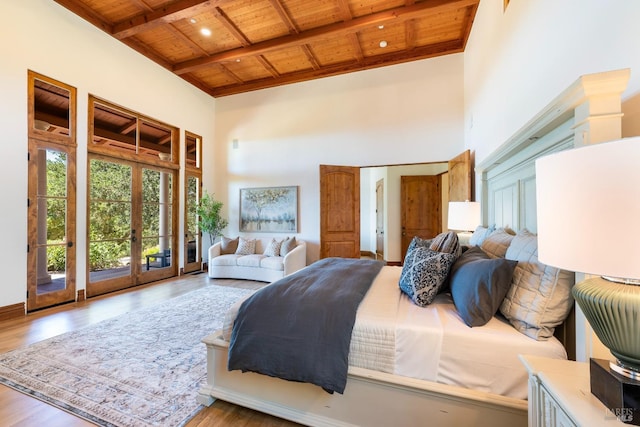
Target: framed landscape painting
[[269, 209]]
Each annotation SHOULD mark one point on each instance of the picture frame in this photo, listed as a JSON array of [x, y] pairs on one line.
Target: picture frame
[[269, 209]]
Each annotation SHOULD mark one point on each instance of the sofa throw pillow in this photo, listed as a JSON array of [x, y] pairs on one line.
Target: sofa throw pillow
[[447, 242], [228, 246], [479, 284], [246, 246], [539, 298], [273, 248], [496, 243], [423, 274], [288, 245]]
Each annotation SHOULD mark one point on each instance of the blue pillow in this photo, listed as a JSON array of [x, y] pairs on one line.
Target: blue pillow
[[423, 274], [479, 284]]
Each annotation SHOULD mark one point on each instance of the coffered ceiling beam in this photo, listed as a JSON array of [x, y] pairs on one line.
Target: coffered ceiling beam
[[172, 12], [396, 15], [431, 51]]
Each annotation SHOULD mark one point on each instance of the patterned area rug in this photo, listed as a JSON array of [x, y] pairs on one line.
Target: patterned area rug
[[142, 368]]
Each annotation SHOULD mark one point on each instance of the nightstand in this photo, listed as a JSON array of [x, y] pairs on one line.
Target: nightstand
[[559, 395]]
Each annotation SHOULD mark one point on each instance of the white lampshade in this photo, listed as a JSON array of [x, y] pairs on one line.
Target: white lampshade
[[463, 216], [588, 203]]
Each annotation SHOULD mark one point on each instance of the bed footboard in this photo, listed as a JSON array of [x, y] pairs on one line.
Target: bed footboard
[[371, 398]]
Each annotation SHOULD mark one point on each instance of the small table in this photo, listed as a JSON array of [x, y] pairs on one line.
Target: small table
[[162, 256]]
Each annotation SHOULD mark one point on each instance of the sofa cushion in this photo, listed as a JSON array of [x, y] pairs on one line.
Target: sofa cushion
[[228, 246], [272, 263], [288, 245], [250, 260], [229, 259], [273, 248], [246, 246]]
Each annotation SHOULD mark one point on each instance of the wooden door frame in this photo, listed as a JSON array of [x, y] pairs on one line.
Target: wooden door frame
[[42, 138]]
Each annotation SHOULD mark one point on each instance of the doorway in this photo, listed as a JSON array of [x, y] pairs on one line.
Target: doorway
[[131, 218]]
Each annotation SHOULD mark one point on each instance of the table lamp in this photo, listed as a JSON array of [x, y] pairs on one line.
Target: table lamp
[[588, 213], [463, 217]]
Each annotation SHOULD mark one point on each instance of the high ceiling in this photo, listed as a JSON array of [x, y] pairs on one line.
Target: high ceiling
[[255, 44]]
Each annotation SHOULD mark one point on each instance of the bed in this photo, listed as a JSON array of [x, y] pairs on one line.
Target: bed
[[394, 386]]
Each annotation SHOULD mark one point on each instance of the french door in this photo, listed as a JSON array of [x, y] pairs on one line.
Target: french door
[[131, 215], [51, 260], [192, 239]]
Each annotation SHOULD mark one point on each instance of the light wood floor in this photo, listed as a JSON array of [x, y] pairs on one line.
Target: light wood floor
[[17, 409]]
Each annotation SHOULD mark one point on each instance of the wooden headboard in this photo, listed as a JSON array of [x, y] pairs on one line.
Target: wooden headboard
[[587, 112]]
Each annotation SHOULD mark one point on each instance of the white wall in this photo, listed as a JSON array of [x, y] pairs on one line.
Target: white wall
[[404, 113], [516, 62], [44, 37]]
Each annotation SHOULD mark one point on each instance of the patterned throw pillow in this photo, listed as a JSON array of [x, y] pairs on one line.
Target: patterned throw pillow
[[288, 245], [448, 243], [273, 248], [228, 246], [246, 247], [423, 274]]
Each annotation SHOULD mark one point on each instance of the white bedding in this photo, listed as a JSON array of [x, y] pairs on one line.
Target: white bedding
[[393, 335]]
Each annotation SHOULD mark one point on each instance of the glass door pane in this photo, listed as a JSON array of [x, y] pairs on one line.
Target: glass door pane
[[110, 222], [52, 228], [157, 220], [192, 230]]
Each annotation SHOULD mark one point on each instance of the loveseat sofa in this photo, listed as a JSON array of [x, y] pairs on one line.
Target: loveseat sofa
[[268, 262]]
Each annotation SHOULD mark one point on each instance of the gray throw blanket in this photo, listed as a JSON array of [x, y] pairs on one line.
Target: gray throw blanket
[[299, 328]]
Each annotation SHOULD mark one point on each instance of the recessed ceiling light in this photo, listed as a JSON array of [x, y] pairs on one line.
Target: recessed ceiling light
[[193, 20], [205, 32], [383, 43], [238, 60], [380, 27]]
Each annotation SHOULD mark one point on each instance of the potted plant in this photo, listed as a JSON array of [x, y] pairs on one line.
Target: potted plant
[[210, 218]]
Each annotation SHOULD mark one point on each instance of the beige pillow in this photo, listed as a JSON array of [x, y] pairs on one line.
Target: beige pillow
[[228, 246], [446, 242], [246, 246], [273, 248], [497, 242], [288, 245], [539, 298]]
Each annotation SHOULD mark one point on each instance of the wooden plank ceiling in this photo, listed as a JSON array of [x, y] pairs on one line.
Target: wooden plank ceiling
[[255, 44]]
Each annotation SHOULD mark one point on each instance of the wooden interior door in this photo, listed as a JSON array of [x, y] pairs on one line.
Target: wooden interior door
[[339, 211], [460, 188], [380, 219], [421, 205]]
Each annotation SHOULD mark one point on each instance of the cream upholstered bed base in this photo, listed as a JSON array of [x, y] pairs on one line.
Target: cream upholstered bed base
[[371, 398]]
